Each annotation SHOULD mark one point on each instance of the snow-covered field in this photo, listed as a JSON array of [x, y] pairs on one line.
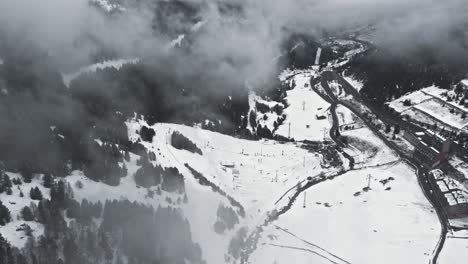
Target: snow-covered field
[[290, 73], [430, 105], [304, 106], [15, 203], [249, 171], [455, 249], [346, 117], [357, 84], [415, 98], [370, 148], [416, 115], [271, 116], [337, 89], [379, 226], [255, 173], [342, 220], [442, 112]]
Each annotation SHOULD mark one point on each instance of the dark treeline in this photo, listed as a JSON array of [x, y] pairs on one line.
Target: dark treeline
[[141, 235], [301, 50], [387, 75], [179, 141]]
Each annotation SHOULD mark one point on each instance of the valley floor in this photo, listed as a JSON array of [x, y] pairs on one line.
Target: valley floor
[[373, 213]]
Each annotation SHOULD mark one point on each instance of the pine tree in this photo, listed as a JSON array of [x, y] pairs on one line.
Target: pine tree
[[48, 181], [17, 181], [7, 181], [73, 210], [27, 214], [27, 173], [5, 215], [35, 194]]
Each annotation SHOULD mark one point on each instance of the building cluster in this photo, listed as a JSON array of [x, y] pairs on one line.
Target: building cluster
[[452, 193], [431, 149]]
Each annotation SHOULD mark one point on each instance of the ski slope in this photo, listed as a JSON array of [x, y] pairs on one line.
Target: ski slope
[[304, 106], [379, 226]]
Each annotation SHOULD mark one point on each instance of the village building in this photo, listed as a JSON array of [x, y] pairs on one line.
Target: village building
[[431, 149], [452, 193]]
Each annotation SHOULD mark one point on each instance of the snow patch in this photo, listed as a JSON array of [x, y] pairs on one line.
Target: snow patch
[[117, 64], [377, 226]]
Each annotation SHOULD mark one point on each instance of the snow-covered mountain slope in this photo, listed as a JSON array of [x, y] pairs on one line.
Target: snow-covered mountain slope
[[15, 231], [392, 218], [307, 114], [117, 64], [338, 221], [255, 173], [375, 227]]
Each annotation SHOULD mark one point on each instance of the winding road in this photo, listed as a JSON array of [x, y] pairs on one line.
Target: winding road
[[424, 182]]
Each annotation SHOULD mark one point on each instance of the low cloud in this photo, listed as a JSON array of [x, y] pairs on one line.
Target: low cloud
[[241, 37]]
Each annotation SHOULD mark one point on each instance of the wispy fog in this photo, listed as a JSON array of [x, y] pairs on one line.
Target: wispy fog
[[240, 37]]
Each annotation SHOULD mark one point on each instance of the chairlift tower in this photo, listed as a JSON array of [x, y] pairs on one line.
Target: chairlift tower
[[369, 177], [304, 205]]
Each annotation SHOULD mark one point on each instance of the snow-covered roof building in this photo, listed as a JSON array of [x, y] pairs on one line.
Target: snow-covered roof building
[[452, 193]]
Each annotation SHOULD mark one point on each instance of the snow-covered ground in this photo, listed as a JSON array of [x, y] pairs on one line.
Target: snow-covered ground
[[255, 173], [455, 249], [15, 203], [415, 98], [352, 47], [443, 113], [304, 109], [370, 148], [267, 119], [336, 88], [382, 225], [430, 105], [117, 64], [289, 73], [416, 115], [249, 171], [346, 117], [357, 84]]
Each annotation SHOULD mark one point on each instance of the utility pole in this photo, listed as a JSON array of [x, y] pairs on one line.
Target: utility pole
[[303, 163], [304, 199], [289, 131], [303, 105], [369, 177], [276, 176]]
